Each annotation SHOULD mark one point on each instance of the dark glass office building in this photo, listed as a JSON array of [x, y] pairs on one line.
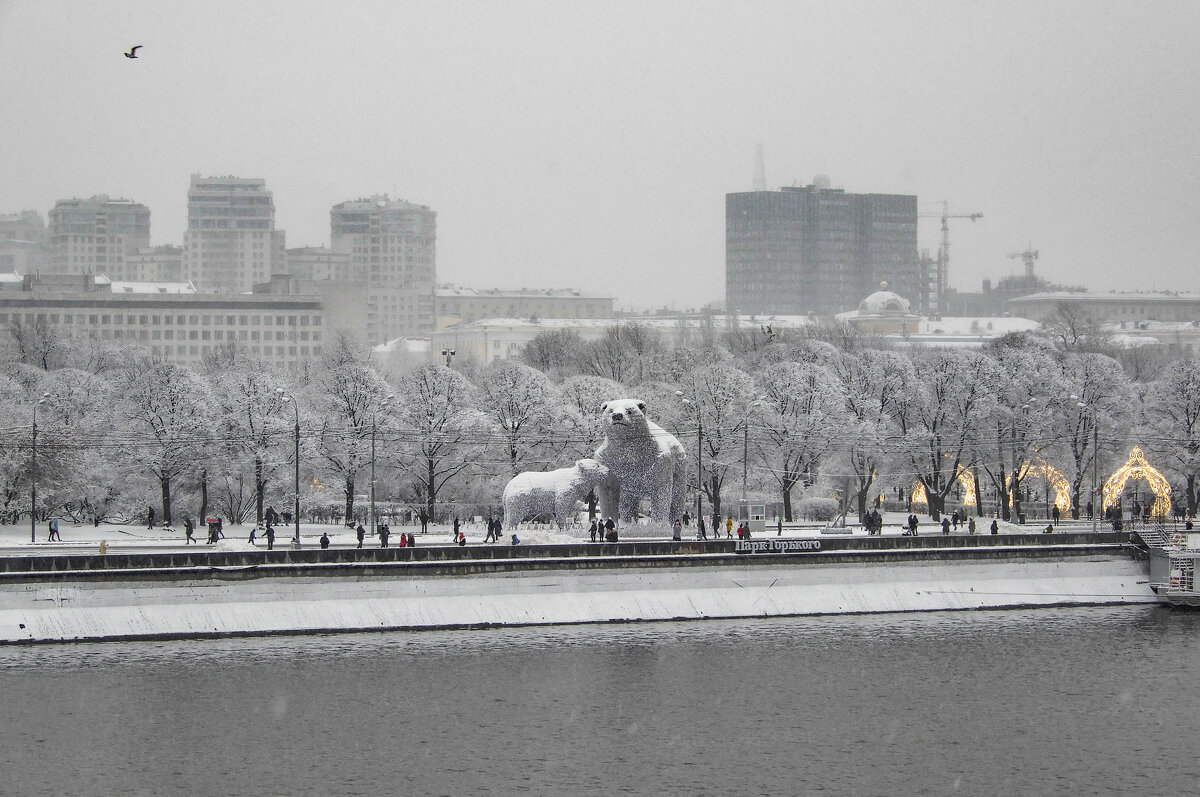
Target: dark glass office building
[[819, 250]]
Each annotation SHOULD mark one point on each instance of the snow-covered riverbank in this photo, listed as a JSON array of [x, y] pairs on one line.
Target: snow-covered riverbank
[[123, 609]]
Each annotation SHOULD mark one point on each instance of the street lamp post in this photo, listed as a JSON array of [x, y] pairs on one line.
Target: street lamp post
[[374, 427], [746, 446], [699, 456], [33, 472], [283, 396]]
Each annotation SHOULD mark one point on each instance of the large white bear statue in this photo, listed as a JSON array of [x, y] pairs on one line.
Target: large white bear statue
[[644, 461], [551, 492]]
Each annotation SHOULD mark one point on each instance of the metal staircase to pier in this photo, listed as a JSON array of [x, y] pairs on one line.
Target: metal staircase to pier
[[1155, 536]]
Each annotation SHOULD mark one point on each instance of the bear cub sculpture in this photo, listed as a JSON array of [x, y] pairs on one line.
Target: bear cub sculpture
[[644, 461], [554, 492]]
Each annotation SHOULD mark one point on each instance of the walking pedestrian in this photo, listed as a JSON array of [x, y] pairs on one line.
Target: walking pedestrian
[[945, 525], [971, 526], [384, 533], [729, 527], [456, 525], [677, 531], [779, 525], [1054, 513], [253, 534], [362, 534], [54, 531], [188, 530], [324, 540], [701, 532], [270, 537], [149, 517], [995, 526], [610, 530], [592, 530]]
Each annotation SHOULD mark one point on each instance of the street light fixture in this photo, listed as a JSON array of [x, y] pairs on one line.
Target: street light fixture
[[33, 472], [699, 456], [449, 355], [374, 426], [283, 396]]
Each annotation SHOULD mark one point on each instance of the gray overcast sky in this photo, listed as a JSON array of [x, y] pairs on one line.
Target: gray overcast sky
[[591, 145]]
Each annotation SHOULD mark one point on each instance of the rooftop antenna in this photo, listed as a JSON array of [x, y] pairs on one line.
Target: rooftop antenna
[[760, 169]]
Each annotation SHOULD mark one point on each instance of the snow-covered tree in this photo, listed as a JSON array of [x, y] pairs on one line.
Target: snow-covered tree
[[345, 408], [794, 425], [722, 396], [868, 384], [168, 408], [434, 433], [1098, 383], [1171, 405], [528, 414], [938, 412]]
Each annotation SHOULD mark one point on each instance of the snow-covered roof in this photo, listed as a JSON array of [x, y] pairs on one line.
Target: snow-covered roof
[[410, 345], [657, 322], [11, 276], [148, 287]]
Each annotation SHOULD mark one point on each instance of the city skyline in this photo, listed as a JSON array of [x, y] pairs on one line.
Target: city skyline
[[593, 148]]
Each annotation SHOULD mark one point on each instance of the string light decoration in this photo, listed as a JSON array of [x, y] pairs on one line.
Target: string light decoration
[[1062, 487], [1137, 468], [965, 480]]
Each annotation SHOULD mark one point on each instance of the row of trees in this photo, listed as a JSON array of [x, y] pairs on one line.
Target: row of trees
[[787, 416]]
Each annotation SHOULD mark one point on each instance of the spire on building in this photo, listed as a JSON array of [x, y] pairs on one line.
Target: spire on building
[[760, 169]]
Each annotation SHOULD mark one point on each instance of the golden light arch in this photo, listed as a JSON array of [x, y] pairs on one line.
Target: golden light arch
[[1062, 487], [965, 479], [1136, 467]]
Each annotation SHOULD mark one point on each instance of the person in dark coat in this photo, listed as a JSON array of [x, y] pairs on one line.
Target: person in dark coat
[[592, 531], [456, 525], [270, 537], [324, 540], [1055, 514], [362, 534], [383, 536], [995, 529], [188, 530], [412, 541], [945, 525], [701, 532], [610, 528], [149, 517]]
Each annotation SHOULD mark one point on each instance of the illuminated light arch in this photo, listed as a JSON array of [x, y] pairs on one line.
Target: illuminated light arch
[[1136, 467], [965, 480], [1062, 487]]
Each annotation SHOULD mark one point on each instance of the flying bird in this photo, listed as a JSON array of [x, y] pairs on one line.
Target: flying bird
[[133, 51]]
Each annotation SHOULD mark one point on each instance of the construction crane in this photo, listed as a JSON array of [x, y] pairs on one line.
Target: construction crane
[[1029, 256], [943, 255]]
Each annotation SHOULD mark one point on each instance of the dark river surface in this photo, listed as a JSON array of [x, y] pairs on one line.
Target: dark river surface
[[1052, 701]]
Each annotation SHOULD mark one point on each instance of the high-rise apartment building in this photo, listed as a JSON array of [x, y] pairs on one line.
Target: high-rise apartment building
[[815, 249], [152, 264], [392, 246], [24, 242], [231, 242], [318, 263], [96, 235]]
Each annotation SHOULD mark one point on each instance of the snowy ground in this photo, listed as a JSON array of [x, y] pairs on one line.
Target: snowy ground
[[16, 538]]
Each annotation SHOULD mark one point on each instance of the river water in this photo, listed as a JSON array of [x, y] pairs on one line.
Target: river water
[[1052, 701]]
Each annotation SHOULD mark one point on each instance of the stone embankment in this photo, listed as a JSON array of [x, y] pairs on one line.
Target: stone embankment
[[254, 592]]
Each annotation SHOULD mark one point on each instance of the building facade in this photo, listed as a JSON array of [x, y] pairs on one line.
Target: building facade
[[231, 242], [96, 235], [814, 249], [318, 263], [457, 304], [24, 242], [1114, 308], [392, 246], [151, 264], [172, 322]]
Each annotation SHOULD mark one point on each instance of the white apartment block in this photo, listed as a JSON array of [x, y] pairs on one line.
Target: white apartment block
[[96, 235], [392, 246], [231, 242]]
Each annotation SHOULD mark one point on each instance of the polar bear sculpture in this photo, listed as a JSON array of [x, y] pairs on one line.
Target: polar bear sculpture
[[644, 461], [551, 492]]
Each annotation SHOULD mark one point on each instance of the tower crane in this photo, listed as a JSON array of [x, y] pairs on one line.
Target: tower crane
[[1029, 256], [943, 255]]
